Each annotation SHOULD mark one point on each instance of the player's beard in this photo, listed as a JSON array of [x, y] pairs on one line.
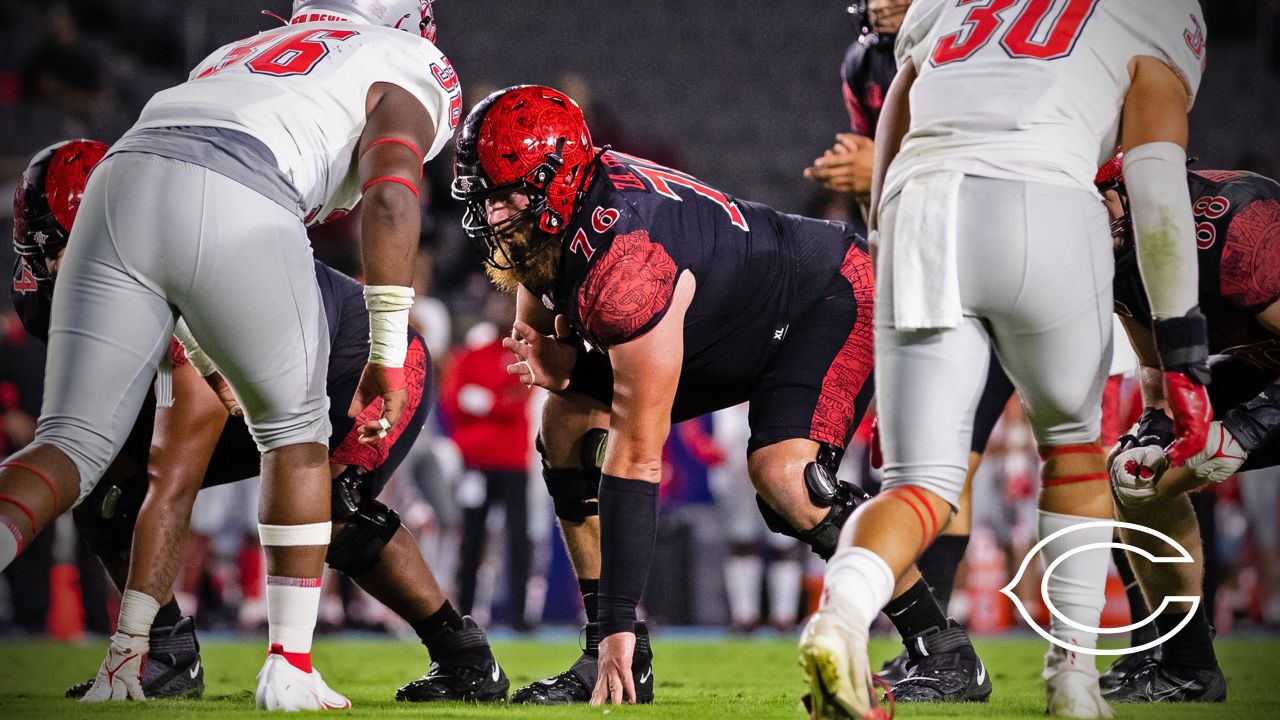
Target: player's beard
[[535, 272]]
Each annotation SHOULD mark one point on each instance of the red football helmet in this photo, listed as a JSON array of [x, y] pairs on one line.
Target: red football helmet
[[48, 198], [528, 139], [1111, 177]]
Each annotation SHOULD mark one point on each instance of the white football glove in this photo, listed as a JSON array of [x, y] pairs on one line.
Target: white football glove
[[1221, 457], [1134, 473], [120, 677]]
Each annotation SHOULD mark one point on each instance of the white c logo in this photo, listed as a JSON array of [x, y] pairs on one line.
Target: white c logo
[[1182, 557]]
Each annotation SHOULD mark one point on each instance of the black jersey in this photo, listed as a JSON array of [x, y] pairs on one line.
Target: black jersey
[[1237, 218], [867, 71], [757, 271]]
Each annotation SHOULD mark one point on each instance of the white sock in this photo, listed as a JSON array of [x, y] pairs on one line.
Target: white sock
[[742, 575], [858, 578], [1078, 586], [10, 541], [784, 592], [137, 613], [292, 605]]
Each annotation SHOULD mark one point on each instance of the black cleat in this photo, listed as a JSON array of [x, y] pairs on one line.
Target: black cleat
[[576, 684], [944, 668], [896, 668], [466, 671], [173, 667], [1158, 682], [1125, 667]]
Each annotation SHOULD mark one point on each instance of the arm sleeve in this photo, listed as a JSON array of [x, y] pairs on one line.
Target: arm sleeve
[[1163, 226], [628, 290], [1247, 273]]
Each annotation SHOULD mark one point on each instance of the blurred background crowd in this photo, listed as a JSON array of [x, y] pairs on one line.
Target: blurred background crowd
[[743, 94]]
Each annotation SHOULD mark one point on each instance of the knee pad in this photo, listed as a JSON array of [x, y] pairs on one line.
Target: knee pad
[[106, 518], [357, 547], [574, 492], [825, 490], [590, 452]]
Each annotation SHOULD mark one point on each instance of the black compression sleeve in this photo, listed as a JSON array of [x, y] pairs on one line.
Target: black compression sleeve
[[1256, 422], [628, 532]]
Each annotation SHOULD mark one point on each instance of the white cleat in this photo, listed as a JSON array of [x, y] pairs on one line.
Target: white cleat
[[833, 654], [282, 686], [1071, 686]]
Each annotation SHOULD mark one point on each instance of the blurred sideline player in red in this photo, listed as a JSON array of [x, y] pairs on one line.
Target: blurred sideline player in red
[[645, 296], [1238, 241], [200, 211], [136, 519], [989, 234]]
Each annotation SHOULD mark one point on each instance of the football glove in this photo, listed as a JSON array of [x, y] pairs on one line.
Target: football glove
[[120, 677], [1221, 457]]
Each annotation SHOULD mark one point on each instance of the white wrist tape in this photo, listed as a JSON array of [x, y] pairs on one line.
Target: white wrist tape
[[295, 535], [1155, 177], [199, 360], [388, 323], [137, 613]]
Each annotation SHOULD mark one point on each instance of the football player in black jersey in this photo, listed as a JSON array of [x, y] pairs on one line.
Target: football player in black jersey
[[646, 297], [1238, 235], [136, 520]]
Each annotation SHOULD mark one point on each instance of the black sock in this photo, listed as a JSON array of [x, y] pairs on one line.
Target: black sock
[[168, 615], [437, 626], [939, 563], [590, 598], [1137, 603], [915, 611], [1191, 647]]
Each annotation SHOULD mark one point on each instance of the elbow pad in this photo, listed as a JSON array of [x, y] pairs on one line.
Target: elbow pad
[[1155, 176]]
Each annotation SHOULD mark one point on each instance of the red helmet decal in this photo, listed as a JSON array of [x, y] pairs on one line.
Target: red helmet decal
[[1112, 171], [68, 174], [522, 129]]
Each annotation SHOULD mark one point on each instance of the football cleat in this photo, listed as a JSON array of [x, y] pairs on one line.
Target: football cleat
[[281, 686], [944, 668], [896, 669], [833, 655], [465, 671], [1158, 682], [173, 668], [576, 684], [1071, 686], [1125, 667]]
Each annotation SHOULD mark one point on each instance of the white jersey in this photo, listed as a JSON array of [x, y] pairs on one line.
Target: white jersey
[[301, 90], [1032, 89]]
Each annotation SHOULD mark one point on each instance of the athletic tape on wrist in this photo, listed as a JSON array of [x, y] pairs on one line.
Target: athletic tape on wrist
[[295, 535], [137, 613], [388, 323], [199, 360]]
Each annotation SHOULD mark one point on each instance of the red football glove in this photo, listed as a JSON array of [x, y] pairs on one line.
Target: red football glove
[[1189, 402], [877, 457]]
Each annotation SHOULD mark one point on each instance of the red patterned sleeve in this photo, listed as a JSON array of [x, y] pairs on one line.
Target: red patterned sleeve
[[176, 353], [1249, 272], [628, 290]]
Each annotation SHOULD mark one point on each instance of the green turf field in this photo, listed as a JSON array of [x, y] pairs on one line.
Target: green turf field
[[695, 679]]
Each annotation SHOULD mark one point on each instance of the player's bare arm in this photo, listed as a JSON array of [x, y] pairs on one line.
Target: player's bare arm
[[646, 372], [391, 149], [895, 120]]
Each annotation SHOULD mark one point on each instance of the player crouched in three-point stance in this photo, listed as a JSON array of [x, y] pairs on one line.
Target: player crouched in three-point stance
[[991, 235], [136, 519], [645, 296], [199, 211], [1239, 241]]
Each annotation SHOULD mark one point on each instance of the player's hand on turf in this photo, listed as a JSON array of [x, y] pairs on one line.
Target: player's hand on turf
[[542, 360], [120, 677], [615, 684], [1189, 404], [387, 384], [1134, 474], [846, 167], [228, 398], [1221, 457]]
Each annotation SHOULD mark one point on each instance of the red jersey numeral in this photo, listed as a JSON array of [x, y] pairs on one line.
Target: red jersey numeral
[[295, 54], [663, 178], [1020, 38], [448, 80]]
